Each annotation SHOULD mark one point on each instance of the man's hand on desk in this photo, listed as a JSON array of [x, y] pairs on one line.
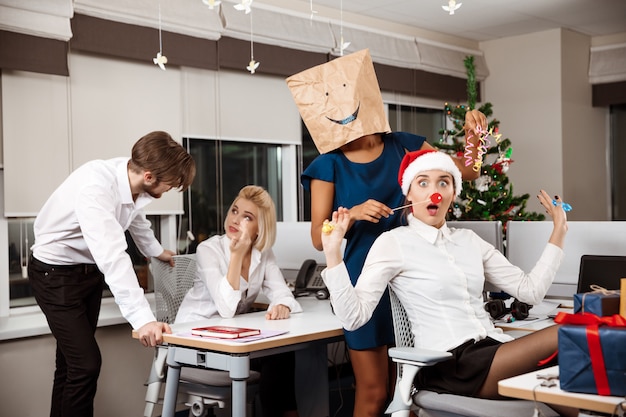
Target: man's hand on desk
[[151, 334]]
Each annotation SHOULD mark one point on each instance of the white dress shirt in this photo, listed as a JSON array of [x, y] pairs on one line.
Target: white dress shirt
[[84, 221], [212, 295], [439, 276]]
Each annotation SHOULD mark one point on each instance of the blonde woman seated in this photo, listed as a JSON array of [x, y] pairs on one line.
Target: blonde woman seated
[[439, 274], [233, 269]]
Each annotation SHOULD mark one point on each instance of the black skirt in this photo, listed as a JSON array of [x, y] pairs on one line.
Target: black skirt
[[464, 373]]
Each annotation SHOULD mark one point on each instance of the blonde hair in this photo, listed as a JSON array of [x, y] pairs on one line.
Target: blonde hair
[[267, 214]]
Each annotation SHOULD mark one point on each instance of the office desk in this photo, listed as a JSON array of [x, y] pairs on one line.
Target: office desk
[[315, 326], [522, 386]]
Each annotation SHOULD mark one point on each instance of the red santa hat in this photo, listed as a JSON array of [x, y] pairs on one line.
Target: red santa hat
[[425, 160]]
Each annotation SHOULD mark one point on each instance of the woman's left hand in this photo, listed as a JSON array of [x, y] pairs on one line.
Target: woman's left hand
[[278, 312], [559, 218]]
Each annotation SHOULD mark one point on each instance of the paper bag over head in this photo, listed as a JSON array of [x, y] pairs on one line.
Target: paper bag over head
[[340, 100]]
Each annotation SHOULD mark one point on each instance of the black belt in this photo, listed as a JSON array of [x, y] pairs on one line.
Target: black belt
[[78, 268]]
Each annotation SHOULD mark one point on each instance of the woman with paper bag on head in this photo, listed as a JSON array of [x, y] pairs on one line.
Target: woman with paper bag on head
[[342, 107]]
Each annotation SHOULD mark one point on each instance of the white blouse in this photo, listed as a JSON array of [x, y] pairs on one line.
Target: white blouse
[[212, 295], [439, 276]]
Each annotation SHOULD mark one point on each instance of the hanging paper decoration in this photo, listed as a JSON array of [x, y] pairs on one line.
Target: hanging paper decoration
[[160, 59], [212, 3], [342, 43], [452, 6], [245, 5], [313, 12]]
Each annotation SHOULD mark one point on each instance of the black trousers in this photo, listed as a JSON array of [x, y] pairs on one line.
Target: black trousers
[[70, 298]]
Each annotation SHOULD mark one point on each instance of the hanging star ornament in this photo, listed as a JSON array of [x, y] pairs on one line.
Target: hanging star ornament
[[212, 3], [313, 12], [452, 6], [244, 6], [252, 66], [160, 60]]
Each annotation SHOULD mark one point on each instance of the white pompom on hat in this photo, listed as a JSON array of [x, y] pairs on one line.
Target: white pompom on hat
[[425, 160]]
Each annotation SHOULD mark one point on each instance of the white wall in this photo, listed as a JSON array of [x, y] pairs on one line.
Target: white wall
[[27, 368], [586, 173], [525, 89], [542, 97]]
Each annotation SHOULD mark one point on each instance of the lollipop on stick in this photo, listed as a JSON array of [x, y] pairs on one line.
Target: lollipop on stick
[[434, 198]]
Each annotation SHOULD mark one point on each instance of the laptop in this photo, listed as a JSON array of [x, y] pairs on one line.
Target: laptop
[[603, 270]]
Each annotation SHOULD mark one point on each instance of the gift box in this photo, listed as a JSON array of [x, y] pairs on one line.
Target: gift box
[[601, 303], [592, 354]]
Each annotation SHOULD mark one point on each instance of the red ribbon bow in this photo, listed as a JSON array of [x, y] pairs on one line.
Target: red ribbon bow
[[593, 323]]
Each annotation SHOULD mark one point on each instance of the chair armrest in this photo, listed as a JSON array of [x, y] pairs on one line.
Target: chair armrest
[[422, 357]]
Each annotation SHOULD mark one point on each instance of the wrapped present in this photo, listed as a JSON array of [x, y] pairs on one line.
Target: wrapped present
[[592, 353], [600, 302]]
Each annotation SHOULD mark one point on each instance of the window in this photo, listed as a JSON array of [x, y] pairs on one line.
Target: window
[[21, 238], [617, 155], [222, 169]]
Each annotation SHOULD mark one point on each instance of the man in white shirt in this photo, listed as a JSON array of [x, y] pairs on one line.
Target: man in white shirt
[[80, 243]]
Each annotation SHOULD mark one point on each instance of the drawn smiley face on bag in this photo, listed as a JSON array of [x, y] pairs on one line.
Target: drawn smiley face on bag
[[340, 101]]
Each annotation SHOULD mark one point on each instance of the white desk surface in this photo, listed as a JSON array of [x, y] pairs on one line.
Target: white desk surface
[[522, 386], [316, 322]]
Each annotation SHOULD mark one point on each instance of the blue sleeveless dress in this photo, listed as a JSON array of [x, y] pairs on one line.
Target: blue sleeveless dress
[[354, 184]]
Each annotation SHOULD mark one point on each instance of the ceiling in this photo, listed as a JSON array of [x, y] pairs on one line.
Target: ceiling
[[482, 20]]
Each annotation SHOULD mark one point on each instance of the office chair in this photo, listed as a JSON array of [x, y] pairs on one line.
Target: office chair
[[409, 360], [202, 390]]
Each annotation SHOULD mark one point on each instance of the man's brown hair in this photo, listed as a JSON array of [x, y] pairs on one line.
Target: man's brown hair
[[165, 158]]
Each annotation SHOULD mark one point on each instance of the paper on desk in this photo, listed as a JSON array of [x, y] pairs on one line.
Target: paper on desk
[[264, 335], [546, 307]]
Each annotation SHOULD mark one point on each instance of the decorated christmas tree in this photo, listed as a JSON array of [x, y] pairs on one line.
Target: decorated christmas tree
[[490, 196]]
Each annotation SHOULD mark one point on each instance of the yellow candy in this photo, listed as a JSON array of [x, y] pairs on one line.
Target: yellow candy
[[327, 227]]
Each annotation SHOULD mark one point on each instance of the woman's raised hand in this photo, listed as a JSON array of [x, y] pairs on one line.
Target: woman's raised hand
[[554, 209], [241, 243], [371, 211], [333, 232]]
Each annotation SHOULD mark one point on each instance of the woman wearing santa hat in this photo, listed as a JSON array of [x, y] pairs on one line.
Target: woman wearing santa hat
[[439, 274]]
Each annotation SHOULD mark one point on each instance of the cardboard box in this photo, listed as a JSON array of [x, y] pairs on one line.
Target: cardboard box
[[597, 303], [576, 364]]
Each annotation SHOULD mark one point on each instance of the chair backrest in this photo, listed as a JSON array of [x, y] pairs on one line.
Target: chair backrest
[[401, 323], [171, 284]]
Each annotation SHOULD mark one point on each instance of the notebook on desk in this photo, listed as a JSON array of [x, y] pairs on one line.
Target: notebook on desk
[[603, 270]]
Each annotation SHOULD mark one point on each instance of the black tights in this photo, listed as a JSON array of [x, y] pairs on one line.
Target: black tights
[[521, 356]]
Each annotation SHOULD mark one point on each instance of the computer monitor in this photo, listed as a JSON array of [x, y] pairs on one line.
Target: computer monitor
[[603, 270]]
